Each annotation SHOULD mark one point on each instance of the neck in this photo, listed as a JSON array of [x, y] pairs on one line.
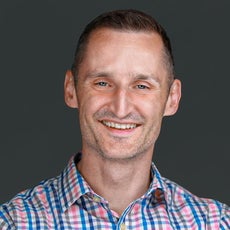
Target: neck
[[119, 182]]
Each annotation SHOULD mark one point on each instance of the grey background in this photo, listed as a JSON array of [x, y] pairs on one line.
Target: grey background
[[39, 133]]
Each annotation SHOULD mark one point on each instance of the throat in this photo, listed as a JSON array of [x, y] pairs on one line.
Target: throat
[[120, 183]]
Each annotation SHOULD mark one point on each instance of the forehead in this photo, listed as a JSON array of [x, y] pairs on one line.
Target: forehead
[[113, 37], [123, 51]]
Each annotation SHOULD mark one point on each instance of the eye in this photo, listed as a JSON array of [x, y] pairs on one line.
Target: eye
[[142, 87], [102, 83]]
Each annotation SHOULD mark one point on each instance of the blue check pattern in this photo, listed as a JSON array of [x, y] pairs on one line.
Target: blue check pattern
[[67, 202]]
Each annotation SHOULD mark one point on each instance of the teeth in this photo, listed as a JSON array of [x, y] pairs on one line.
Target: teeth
[[119, 126]]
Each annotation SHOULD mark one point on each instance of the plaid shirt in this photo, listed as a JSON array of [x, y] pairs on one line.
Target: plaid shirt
[[67, 202]]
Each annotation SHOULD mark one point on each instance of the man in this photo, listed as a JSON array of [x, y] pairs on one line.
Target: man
[[122, 83]]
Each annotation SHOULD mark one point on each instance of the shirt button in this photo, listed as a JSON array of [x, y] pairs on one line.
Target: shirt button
[[123, 227], [158, 194], [96, 199]]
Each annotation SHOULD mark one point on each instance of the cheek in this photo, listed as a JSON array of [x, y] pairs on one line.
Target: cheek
[[153, 107], [89, 104]]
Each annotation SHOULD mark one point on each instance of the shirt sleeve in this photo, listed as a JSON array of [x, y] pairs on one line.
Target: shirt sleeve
[[225, 220]]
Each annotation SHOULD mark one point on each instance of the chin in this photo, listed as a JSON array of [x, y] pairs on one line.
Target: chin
[[108, 156]]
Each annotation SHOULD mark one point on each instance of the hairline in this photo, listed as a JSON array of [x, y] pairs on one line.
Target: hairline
[[165, 53]]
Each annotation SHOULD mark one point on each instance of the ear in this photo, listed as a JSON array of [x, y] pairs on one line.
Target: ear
[[70, 90], [173, 100]]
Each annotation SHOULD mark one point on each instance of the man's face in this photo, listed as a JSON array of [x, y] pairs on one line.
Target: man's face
[[122, 93]]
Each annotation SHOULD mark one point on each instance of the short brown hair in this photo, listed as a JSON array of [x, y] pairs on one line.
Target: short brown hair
[[124, 20]]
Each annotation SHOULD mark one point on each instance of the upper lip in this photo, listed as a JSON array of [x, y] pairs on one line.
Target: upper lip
[[120, 122]]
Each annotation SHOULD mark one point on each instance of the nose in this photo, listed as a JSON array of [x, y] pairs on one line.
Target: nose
[[121, 103]]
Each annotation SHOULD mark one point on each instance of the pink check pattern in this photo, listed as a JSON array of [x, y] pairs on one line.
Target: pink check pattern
[[67, 202]]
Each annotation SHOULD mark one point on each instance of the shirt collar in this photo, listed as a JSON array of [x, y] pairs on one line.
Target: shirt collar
[[158, 187], [71, 185]]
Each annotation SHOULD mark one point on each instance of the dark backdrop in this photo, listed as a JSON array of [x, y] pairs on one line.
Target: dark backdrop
[[39, 133]]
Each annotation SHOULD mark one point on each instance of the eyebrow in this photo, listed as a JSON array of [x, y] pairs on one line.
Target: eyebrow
[[149, 77], [98, 74], [137, 76]]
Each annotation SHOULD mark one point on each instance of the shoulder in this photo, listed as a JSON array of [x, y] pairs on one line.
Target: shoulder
[[181, 201], [35, 197], [27, 204]]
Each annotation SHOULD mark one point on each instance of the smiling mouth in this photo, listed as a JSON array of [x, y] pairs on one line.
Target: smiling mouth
[[119, 125]]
